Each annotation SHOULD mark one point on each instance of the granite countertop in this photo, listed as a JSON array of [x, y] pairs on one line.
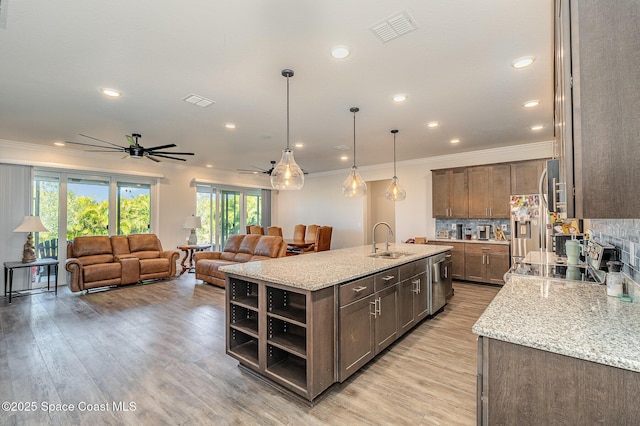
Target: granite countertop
[[324, 269], [455, 240], [570, 318]]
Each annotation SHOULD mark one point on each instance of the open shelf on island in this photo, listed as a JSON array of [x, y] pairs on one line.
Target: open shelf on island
[[244, 346], [287, 367], [244, 293], [288, 336], [288, 305], [243, 319]]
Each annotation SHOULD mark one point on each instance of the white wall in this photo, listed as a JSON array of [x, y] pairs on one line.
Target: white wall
[[321, 201]]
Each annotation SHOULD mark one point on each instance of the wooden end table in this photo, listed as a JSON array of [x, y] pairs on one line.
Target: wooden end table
[[188, 253], [10, 266]]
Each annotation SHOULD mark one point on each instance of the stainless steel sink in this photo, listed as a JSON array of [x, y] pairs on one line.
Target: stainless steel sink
[[389, 254]]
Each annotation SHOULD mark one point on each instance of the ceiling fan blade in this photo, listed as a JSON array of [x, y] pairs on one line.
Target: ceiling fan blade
[[119, 148], [99, 140], [106, 149], [167, 156], [151, 158], [150, 151], [154, 148], [249, 172], [259, 170]]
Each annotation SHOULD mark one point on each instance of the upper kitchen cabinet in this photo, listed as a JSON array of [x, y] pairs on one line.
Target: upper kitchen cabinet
[[489, 190], [597, 92], [525, 177], [449, 189]]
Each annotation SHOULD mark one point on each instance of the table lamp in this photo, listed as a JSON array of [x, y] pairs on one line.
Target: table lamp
[[192, 222], [30, 224]]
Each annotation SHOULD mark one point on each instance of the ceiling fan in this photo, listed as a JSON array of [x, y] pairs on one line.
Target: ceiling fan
[[135, 150], [258, 170]]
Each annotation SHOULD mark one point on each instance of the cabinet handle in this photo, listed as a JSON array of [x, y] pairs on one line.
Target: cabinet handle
[[388, 278], [483, 258], [375, 311], [490, 212], [487, 259], [447, 256], [446, 271], [379, 306], [416, 286], [359, 289]]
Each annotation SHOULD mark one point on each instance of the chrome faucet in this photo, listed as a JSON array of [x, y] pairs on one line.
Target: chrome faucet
[[373, 236]]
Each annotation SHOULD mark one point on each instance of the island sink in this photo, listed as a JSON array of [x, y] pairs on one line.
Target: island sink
[[390, 254]]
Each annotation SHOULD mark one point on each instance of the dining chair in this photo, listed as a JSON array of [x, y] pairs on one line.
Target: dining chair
[[299, 232], [323, 238], [256, 229], [312, 231], [275, 231], [248, 228]]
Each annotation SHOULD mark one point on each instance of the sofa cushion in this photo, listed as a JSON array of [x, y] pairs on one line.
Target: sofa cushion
[[210, 267], [144, 242], [120, 244], [147, 254], [154, 266], [233, 243], [93, 260], [88, 246], [268, 246], [101, 272]]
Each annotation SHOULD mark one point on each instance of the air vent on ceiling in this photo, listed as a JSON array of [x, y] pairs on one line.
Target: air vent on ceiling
[[394, 27], [198, 100]]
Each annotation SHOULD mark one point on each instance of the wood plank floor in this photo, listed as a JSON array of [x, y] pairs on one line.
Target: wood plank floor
[[158, 350]]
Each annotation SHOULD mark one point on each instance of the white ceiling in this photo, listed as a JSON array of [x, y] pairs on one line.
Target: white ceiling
[[455, 69]]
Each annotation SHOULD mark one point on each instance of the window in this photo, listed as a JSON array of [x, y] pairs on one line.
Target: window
[[134, 208], [87, 207], [46, 205], [207, 210]]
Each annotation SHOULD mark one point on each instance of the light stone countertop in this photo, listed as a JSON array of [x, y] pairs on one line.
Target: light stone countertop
[[570, 318], [324, 269], [455, 240]]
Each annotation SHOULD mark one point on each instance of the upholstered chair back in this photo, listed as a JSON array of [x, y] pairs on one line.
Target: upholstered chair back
[[274, 231], [323, 238], [299, 232]]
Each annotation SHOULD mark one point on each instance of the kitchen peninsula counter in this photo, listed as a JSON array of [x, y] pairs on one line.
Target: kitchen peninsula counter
[[306, 322], [556, 348]]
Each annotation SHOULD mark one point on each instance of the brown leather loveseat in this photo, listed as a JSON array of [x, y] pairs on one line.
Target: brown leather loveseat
[[99, 261], [238, 249]]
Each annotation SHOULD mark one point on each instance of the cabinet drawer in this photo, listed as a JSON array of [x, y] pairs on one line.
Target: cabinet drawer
[[386, 278], [355, 290], [486, 248], [412, 269]]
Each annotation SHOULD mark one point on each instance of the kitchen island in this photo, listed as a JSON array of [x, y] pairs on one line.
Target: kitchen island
[[558, 352], [306, 322]]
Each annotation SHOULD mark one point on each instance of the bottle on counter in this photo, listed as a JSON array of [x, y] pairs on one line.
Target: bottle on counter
[[614, 278]]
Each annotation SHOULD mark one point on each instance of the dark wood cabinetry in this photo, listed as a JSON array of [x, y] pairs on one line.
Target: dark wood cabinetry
[[522, 385], [486, 262], [525, 176], [489, 190], [413, 297], [449, 189]]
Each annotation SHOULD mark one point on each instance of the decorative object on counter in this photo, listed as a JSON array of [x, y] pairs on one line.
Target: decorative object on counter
[[614, 278], [421, 240], [573, 249], [394, 191], [354, 185], [30, 224], [498, 234], [192, 222], [287, 174]]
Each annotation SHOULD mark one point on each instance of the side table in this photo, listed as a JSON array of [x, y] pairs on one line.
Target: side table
[[10, 266], [188, 253]]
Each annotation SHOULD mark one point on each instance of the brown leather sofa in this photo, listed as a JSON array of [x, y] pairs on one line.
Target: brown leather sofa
[[99, 261], [238, 249]]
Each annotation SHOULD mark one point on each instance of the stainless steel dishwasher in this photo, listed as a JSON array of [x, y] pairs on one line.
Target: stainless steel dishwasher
[[440, 281]]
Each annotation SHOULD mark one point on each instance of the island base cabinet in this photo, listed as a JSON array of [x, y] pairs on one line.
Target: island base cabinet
[[284, 334], [413, 302], [526, 386]]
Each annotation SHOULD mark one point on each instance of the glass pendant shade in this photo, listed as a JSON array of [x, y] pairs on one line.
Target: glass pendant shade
[[287, 174], [395, 192], [354, 185]]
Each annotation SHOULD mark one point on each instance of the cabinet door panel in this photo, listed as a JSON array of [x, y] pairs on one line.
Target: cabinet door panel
[[458, 198], [499, 191], [440, 193], [421, 298], [386, 327], [474, 266], [356, 336], [497, 266], [478, 192], [525, 177], [406, 317]]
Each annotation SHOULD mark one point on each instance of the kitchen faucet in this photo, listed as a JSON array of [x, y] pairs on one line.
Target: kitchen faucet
[[373, 236]]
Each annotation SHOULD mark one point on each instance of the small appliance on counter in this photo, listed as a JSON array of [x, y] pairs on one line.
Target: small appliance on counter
[[459, 234], [600, 253], [443, 233], [561, 239], [484, 232]]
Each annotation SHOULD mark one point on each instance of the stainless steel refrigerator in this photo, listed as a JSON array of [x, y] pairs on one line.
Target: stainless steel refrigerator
[[526, 221]]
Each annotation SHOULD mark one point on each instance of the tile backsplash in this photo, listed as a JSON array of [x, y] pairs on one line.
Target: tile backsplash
[[623, 234], [447, 224]]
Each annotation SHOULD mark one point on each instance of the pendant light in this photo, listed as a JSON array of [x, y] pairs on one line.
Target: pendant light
[[287, 174], [394, 191], [354, 185]]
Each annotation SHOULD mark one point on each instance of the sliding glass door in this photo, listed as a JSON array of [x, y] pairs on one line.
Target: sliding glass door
[[229, 214]]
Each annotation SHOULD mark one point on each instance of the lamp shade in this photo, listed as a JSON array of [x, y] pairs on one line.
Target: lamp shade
[[287, 174], [31, 224], [191, 222]]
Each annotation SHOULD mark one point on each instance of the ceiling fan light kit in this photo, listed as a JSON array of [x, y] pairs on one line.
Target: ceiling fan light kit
[[287, 174], [394, 191], [354, 185]]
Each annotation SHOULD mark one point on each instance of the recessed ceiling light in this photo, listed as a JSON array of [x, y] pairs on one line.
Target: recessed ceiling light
[[230, 125], [340, 51], [531, 104], [112, 93], [209, 166], [455, 140], [433, 124], [299, 145], [399, 98], [523, 62], [537, 127], [59, 143], [344, 158]]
